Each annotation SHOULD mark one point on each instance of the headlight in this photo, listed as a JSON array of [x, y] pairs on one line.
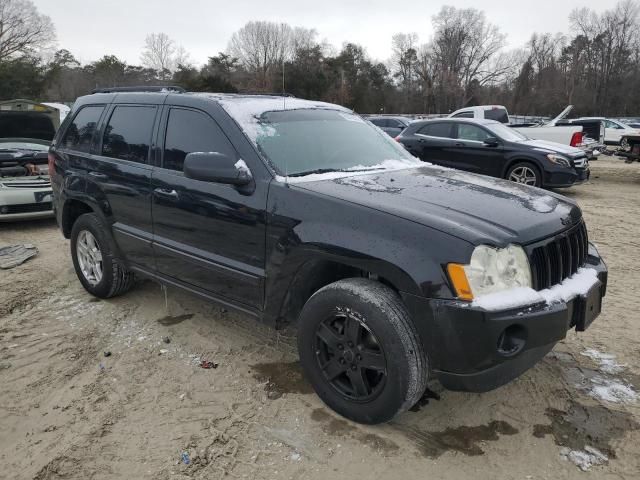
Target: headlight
[[559, 160], [491, 270]]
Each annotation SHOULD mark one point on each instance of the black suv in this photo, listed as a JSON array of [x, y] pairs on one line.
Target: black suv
[[296, 211], [492, 148]]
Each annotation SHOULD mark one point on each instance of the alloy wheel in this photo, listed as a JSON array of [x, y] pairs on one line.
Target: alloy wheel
[[89, 257], [350, 357], [524, 175]]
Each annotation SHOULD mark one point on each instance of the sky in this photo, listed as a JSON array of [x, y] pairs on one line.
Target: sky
[[92, 29]]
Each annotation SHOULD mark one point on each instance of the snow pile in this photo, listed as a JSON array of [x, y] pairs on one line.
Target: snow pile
[[584, 459], [578, 284], [612, 391], [386, 166], [544, 204], [247, 110], [606, 361]]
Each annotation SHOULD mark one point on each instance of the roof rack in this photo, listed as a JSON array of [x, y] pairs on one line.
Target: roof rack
[[145, 88]]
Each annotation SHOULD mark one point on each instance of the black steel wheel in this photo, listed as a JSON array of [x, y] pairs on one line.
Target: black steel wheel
[[360, 351]]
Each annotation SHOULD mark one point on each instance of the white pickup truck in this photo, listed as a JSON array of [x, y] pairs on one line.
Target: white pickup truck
[[567, 135]]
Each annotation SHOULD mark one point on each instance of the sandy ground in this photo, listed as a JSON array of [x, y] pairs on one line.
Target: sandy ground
[[69, 411]]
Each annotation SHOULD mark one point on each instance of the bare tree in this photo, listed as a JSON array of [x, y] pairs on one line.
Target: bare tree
[[23, 29], [262, 47], [158, 54]]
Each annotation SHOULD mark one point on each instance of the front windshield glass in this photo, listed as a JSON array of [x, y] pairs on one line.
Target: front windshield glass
[[305, 141], [506, 133]]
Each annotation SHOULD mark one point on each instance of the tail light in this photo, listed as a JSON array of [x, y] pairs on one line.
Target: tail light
[[51, 160], [397, 139], [576, 139]]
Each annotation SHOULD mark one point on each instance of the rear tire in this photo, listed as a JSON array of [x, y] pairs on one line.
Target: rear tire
[[98, 266], [360, 351], [525, 173]]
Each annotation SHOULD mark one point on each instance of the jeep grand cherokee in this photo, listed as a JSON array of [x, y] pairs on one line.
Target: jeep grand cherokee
[[396, 272]]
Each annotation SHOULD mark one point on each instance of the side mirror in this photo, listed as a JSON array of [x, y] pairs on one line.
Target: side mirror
[[216, 167], [492, 142]]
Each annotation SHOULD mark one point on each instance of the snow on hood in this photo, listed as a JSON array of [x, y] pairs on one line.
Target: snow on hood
[[247, 110], [578, 284], [357, 170]]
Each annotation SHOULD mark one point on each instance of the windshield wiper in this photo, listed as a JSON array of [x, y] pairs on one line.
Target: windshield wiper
[[331, 170]]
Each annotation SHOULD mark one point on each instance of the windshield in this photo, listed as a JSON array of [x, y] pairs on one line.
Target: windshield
[[505, 133], [307, 141]]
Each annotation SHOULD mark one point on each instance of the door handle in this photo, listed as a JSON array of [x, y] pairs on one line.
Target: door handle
[[458, 144], [166, 193], [98, 175]]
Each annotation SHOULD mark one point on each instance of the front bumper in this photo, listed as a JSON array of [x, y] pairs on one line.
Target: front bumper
[[466, 344], [567, 177], [25, 199]]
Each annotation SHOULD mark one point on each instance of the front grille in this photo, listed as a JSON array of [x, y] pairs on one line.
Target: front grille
[[27, 208], [559, 258]]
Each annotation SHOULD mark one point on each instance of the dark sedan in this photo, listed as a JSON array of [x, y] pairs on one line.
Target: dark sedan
[[491, 148], [392, 126]]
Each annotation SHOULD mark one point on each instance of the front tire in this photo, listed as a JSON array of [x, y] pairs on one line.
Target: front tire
[[525, 173], [360, 351], [98, 266]]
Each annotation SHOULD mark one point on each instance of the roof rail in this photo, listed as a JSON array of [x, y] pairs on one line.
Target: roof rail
[[145, 88]]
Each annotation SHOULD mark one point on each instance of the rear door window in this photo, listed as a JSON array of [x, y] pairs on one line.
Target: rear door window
[[80, 132], [191, 131], [127, 136], [442, 130], [497, 114], [379, 122]]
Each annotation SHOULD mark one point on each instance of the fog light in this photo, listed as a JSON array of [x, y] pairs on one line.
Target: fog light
[[512, 340], [4, 210]]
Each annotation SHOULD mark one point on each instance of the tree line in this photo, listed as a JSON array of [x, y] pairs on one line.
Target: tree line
[[462, 62]]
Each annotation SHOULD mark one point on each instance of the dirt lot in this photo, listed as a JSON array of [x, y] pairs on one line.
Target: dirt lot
[[69, 411]]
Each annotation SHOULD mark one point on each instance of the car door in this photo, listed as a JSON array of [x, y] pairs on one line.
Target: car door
[[207, 236], [119, 178], [471, 153], [613, 132], [434, 143]]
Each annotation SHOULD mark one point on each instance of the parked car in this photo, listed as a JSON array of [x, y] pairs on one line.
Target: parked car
[[395, 272], [566, 135], [630, 148], [392, 126], [491, 148], [26, 131], [614, 130]]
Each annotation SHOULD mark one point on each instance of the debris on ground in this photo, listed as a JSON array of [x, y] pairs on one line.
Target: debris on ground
[[207, 364], [185, 458], [14, 255], [584, 459], [166, 339], [107, 353]]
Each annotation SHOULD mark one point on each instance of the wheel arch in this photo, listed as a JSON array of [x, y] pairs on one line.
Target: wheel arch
[[535, 162], [71, 210]]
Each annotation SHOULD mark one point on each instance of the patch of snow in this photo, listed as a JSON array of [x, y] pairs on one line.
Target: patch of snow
[[296, 457], [544, 204], [578, 284], [612, 391], [606, 361], [247, 110], [584, 459], [386, 166], [242, 167]]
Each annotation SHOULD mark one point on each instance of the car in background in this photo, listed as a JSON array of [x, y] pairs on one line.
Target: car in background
[[615, 130], [392, 126], [567, 135], [26, 131], [491, 148]]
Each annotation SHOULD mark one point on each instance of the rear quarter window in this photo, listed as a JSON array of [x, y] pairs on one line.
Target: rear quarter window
[[79, 134], [442, 130]]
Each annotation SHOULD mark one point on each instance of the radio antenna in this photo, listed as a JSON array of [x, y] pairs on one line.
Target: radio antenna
[[284, 107]]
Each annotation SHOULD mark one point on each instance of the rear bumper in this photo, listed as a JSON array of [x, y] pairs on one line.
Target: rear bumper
[[471, 349]]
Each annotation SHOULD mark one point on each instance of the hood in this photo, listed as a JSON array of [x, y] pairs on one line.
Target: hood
[[554, 147], [25, 119], [479, 209]]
